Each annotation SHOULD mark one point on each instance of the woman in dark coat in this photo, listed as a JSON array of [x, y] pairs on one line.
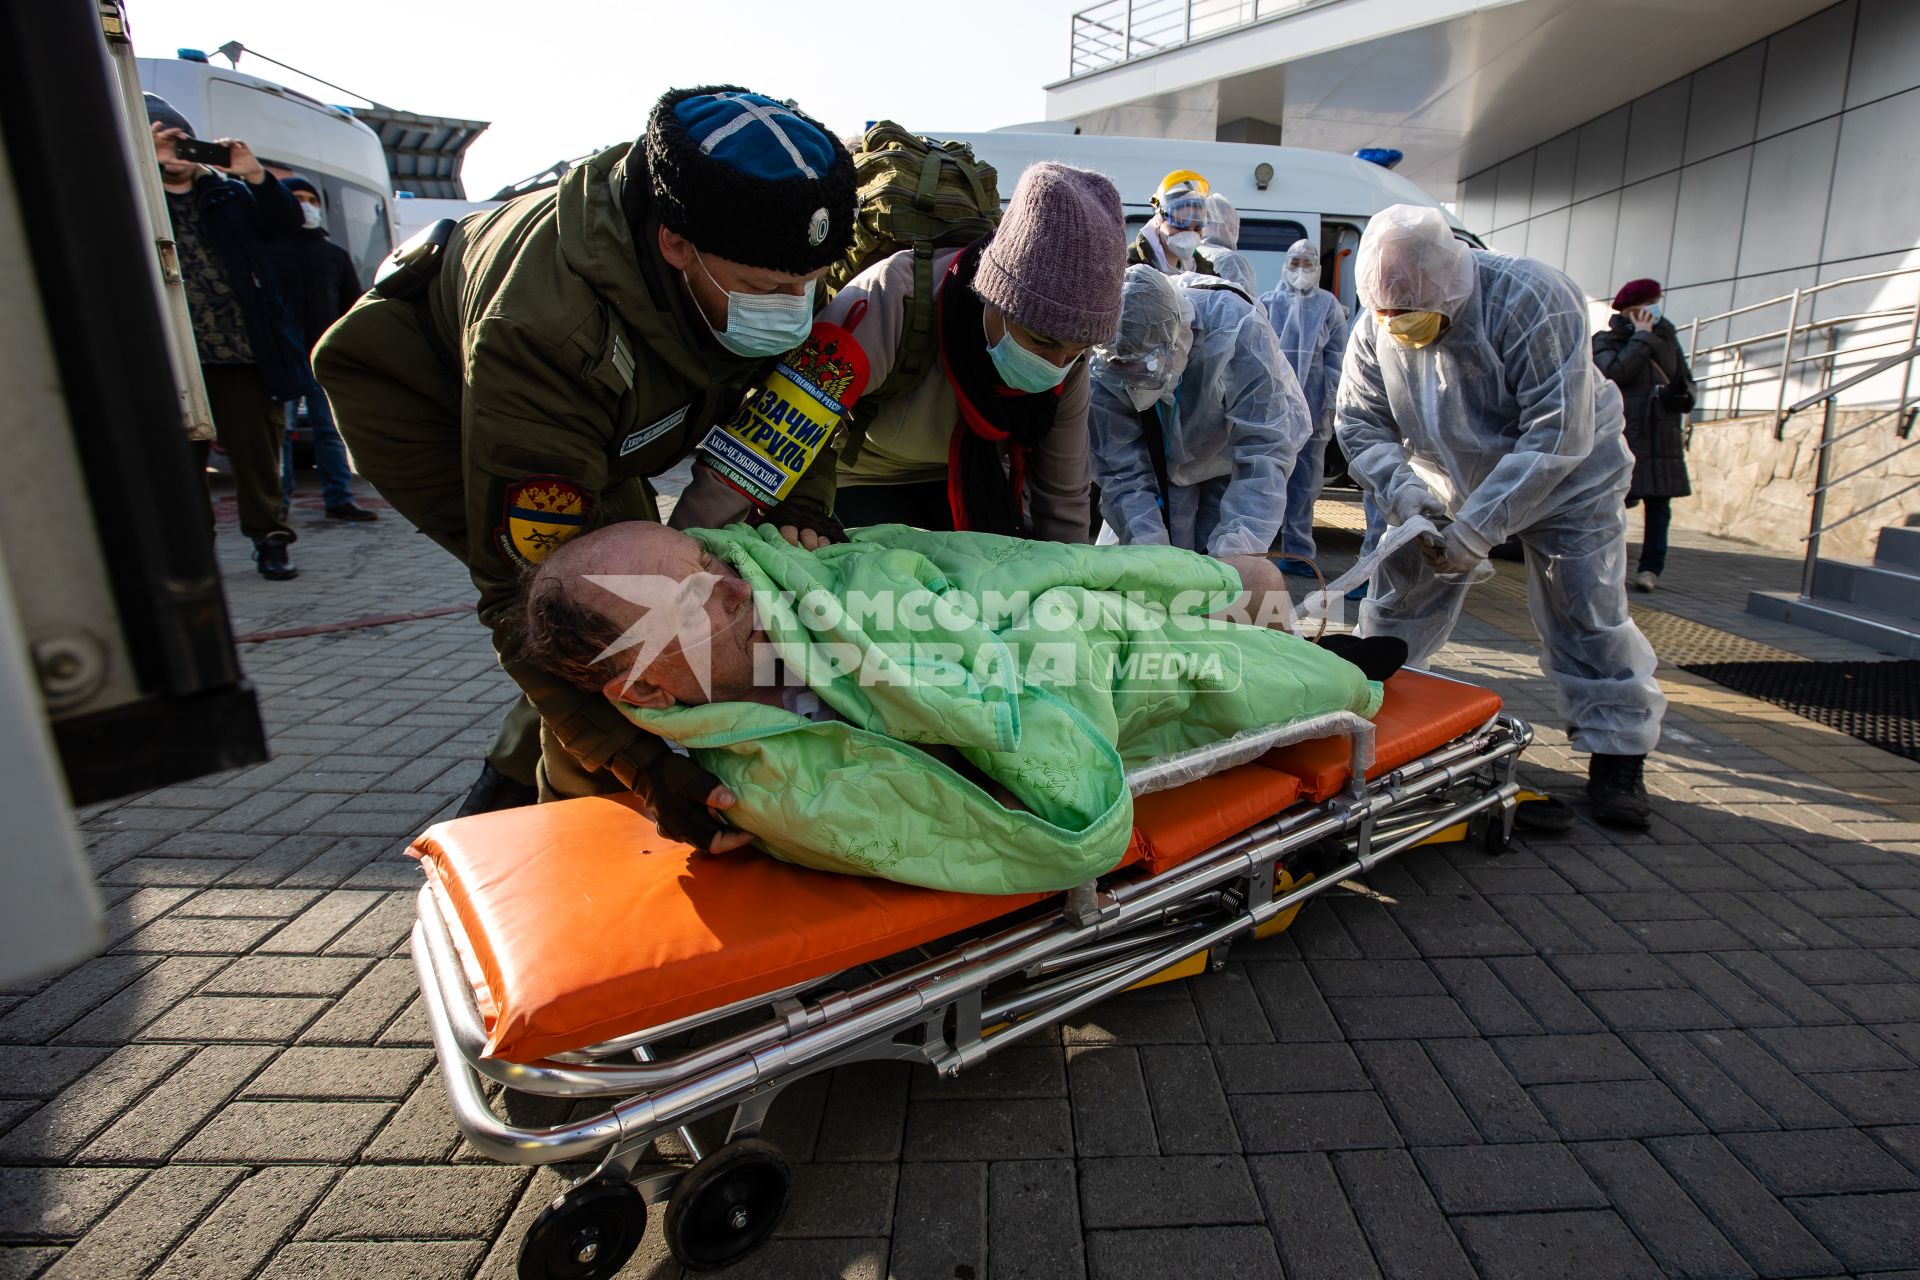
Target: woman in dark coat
[[1641, 353]]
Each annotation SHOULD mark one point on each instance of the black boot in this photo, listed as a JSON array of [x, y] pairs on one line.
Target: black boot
[[495, 790], [1617, 790], [1378, 657], [271, 558]]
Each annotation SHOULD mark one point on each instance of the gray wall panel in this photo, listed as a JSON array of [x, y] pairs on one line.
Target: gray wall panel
[[1644, 238], [1603, 150], [1513, 190], [1511, 239], [1751, 289], [1806, 75], [1726, 97], [1787, 199], [1886, 50], [1590, 238], [1876, 180], [1547, 238], [1658, 132], [1873, 295], [1706, 224], [1476, 201], [1553, 163], [1682, 305]]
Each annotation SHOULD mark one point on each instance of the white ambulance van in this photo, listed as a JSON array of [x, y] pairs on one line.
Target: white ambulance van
[[1283, 194]]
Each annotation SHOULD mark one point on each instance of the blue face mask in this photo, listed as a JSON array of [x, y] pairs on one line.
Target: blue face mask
[[1653, 311], [1020, 368], [762, 324]]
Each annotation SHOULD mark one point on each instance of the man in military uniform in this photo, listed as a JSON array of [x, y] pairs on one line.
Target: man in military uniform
[[572, 343]]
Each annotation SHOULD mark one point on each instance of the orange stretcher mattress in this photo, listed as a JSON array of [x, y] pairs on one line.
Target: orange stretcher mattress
[[584, 923]]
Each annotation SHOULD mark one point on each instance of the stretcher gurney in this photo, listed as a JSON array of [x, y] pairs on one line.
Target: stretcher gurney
[[567, 950]]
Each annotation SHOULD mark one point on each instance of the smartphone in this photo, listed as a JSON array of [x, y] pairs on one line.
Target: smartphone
[[217, 154]]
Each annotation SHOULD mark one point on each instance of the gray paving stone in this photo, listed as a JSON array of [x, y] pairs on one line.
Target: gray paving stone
[[356, 1260], [1296, 1011], [1794, 997], [140, 1229], [1166, 1191], [864, 1112], [63, 1125], [839, 1200], [286, 1132], [1569, 1059], [1313, 1225], [23, 1262], [1487, 1091], [1286, 1068], [1873, 1097], [58, 1203], [319, 924], [1457, 925], [1111, 1113], [1419, 1099], [1764, 1231], [1190, 1115], [275, 1019], [1508, 1177], [1784, 1096], [1375, 978], [1656, 1010], [1198, 1251], [1006, 1129], [1229, 1009], [153, 1128], [1553, 1004], [33, 1071], [1399, 1017], [422, 1131], [1404, 1227], [939, 1221], [1524, 1246], [1680, 1238], [341, 1073], [285, 976], [369, 1005], [1484, 998], [1813, 1050], [70, 997], [1711, 1094], [1614, 1109], [238, 1237], [1819, 1162], [1133, 1020], [1033, 1221], [271, 904], [1313, 1121], [1866, 1232]]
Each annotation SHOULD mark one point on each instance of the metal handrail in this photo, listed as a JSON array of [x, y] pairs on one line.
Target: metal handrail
[[1823, 479], [1110, 34]]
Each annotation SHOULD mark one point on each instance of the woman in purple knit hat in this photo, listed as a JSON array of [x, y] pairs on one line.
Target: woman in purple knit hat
[[993, 438], [1640, 351]]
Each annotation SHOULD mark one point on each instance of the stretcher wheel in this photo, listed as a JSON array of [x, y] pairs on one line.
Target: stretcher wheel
[[727, 1204], [587, 1233], [1494, 837]]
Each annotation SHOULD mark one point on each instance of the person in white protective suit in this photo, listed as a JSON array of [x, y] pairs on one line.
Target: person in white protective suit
[[1196, 420], [1170, 241], [1469, 396], [1312, 328]]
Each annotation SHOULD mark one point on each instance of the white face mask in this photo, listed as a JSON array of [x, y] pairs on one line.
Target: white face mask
[[762, 324], [1144, 395], [1184, 243], [312, 216], [1303, 279]]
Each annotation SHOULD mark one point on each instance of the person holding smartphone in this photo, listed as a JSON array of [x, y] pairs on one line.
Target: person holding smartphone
[[1640, 351], [226, 208]]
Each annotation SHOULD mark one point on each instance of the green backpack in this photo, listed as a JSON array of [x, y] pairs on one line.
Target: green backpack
[[921, 194]]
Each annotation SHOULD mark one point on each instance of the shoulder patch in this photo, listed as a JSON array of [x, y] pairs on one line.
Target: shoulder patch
[[647, 435], [538, 514]]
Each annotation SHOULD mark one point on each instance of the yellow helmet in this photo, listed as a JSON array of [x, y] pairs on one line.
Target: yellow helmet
[[1183, 182]]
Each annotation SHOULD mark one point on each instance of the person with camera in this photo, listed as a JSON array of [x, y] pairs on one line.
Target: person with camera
[[225, 209], [1640, 351]]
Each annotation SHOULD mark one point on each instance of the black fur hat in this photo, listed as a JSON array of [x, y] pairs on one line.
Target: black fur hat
[[750, 179]]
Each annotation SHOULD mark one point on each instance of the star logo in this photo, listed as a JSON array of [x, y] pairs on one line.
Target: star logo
[[675, 612]]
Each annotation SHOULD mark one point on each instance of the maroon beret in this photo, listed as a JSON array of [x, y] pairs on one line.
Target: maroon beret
[[1635, 292]]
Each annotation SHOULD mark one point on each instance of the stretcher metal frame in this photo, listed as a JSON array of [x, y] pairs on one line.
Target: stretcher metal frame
[[998, 985]]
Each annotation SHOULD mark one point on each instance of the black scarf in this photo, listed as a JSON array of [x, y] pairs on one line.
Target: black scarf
[[984, 493]]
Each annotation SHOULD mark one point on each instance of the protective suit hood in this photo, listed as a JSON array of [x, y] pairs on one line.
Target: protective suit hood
[[1409, 260]]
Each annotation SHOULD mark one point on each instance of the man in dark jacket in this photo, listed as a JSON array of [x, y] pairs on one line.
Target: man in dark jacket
[[250, 360], [320, 285], [1641, 352], [573, 343]]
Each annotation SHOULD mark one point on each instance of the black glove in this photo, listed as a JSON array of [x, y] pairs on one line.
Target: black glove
[[1677, 396], [803, 516], [676, 790]]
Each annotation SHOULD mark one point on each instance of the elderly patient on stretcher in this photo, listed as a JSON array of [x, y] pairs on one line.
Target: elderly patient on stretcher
[[953, 710]]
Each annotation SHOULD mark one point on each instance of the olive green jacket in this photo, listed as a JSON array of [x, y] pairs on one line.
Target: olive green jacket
[[547, 372]]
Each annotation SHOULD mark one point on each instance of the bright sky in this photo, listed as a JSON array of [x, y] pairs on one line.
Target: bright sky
[[559, 78]]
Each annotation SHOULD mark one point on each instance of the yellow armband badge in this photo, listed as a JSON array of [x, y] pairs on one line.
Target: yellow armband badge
[[785, 424]]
